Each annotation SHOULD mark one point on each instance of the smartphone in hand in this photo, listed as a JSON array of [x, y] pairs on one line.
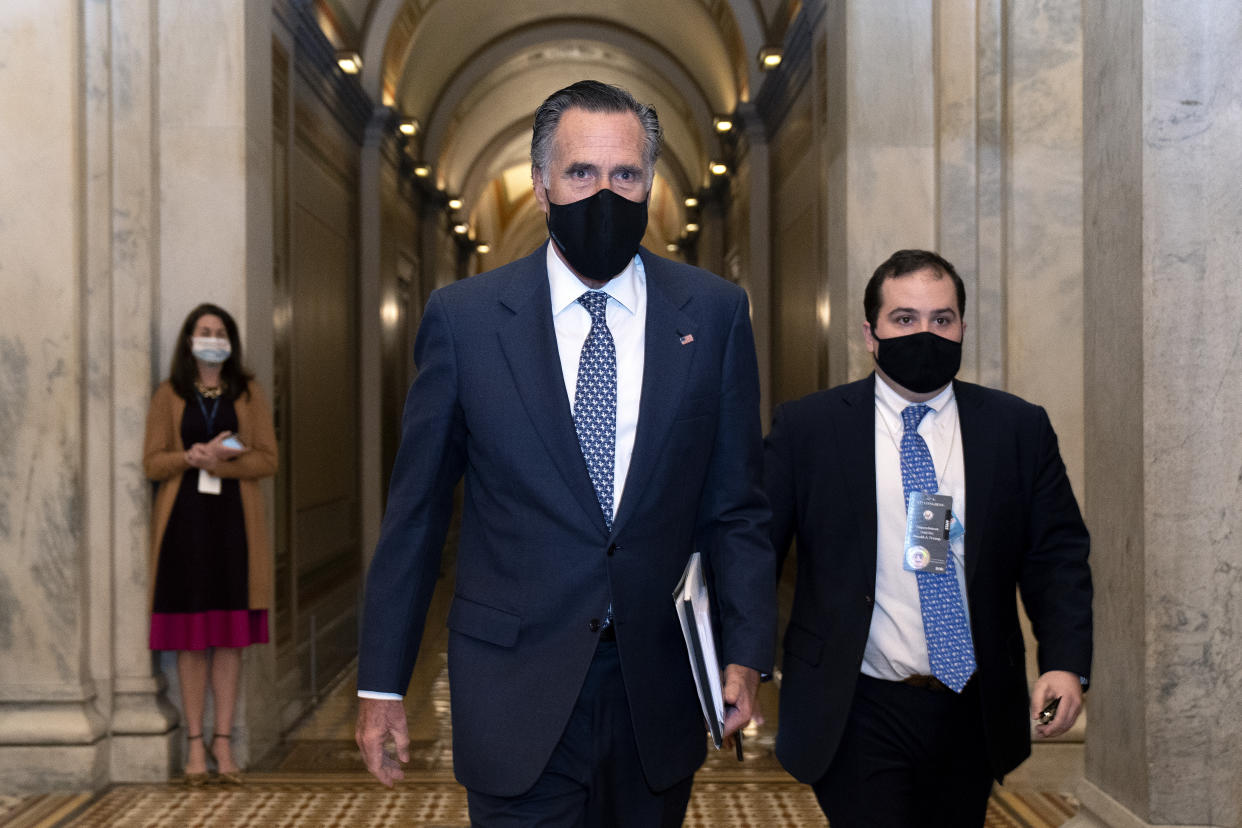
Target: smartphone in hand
[[231, 442]]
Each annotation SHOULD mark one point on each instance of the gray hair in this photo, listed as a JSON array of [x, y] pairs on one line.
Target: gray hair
[[593, 96]]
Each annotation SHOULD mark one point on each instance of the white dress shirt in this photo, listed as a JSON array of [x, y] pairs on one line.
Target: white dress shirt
[[627, 321], [896, 647]]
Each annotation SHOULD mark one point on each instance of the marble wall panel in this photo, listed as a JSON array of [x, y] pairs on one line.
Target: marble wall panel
[[1192, 376], [971, 156], [990, 158], [134, 367], [1164, 110], [957, 163], [202, 162], [1043, 216], [838, 287], [1113, 352], [41, 368], [890, 168]]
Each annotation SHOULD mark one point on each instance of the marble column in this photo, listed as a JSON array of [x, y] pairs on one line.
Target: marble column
[[51, 728], [1163, 146], [143, 743]]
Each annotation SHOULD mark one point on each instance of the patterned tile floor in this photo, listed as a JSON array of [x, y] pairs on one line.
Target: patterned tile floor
[[334, 800], [316, 778]]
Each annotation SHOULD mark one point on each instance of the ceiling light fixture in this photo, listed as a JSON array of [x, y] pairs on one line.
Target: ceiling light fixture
[[770, 57], [722, 124], [454, 203], [691, 201], [483, 247], [349, 61], [409, 126], [691, 227], [461, 229], [422, 170], [719, 168]]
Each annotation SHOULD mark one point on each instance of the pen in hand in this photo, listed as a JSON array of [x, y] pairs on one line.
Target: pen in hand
[[1049, 712]]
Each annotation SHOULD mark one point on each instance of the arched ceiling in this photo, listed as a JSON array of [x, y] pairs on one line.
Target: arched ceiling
[[474, 71]]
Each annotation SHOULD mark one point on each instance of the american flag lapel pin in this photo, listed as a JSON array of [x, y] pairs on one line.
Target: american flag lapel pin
[[687, 339]]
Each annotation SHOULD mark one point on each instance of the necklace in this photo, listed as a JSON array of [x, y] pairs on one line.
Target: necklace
[[210, 392]]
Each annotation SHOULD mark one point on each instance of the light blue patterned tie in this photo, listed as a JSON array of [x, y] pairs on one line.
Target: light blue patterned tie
[[949, 647], [595, 401]]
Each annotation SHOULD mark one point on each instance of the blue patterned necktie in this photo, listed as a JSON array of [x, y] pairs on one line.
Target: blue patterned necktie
[[949, 647], [595, 401]]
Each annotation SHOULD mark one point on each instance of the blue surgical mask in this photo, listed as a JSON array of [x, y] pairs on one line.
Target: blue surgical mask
[[210, 349]]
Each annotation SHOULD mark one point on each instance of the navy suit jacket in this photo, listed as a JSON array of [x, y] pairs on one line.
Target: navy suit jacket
[[1023, 530], [535, 562]]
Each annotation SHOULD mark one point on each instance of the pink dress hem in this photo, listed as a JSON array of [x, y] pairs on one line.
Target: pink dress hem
[[213, 628]]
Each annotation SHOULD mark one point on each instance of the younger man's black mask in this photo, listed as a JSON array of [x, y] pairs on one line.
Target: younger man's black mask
[[920, 361]]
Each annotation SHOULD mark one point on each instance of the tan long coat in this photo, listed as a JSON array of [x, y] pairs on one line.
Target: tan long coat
[[163, 460]]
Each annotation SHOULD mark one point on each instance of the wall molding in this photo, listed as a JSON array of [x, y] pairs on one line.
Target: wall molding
[[781, 86], [314, 60]]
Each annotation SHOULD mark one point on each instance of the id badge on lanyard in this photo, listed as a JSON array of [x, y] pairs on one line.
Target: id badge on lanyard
[[208, 483], [929, 517]]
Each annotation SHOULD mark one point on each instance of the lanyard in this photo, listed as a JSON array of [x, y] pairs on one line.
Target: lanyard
[[210, 419]]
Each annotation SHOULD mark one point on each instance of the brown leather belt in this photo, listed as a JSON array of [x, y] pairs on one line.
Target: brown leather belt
[[927, 683]]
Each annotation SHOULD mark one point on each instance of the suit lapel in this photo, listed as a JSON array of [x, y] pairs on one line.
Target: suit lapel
[[978, 460], [528, 341], [666, 365], [856, 450]]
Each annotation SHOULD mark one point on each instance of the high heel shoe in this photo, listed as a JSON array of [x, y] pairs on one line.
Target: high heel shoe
[[233, 777], [195, 780]]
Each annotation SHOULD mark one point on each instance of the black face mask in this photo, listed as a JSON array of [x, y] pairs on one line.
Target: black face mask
[[598, 235], [921, 362]]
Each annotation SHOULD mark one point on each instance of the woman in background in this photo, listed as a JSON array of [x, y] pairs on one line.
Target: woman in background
[[209, 440]]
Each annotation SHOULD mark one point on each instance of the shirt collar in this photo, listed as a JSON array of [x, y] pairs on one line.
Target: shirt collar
[[566, 287], [894, 403]]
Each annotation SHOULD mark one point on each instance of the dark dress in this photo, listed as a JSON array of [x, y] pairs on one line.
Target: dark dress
[[202, 578]]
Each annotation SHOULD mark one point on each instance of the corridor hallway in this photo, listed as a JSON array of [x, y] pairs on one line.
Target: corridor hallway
[[316, 777]]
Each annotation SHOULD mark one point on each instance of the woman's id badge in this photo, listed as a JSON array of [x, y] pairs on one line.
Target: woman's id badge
[[928, 518], [208, 483]]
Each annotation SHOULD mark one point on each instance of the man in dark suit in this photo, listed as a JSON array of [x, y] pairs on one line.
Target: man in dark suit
[[904, 690], [602, 403]]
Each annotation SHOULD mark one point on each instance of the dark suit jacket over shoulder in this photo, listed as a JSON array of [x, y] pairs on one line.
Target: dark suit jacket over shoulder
[[1023, 530], [536, 563]]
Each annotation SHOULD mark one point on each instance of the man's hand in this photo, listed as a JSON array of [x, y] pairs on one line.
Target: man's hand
[[379, 719], [1049, 686], [741, 688]]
